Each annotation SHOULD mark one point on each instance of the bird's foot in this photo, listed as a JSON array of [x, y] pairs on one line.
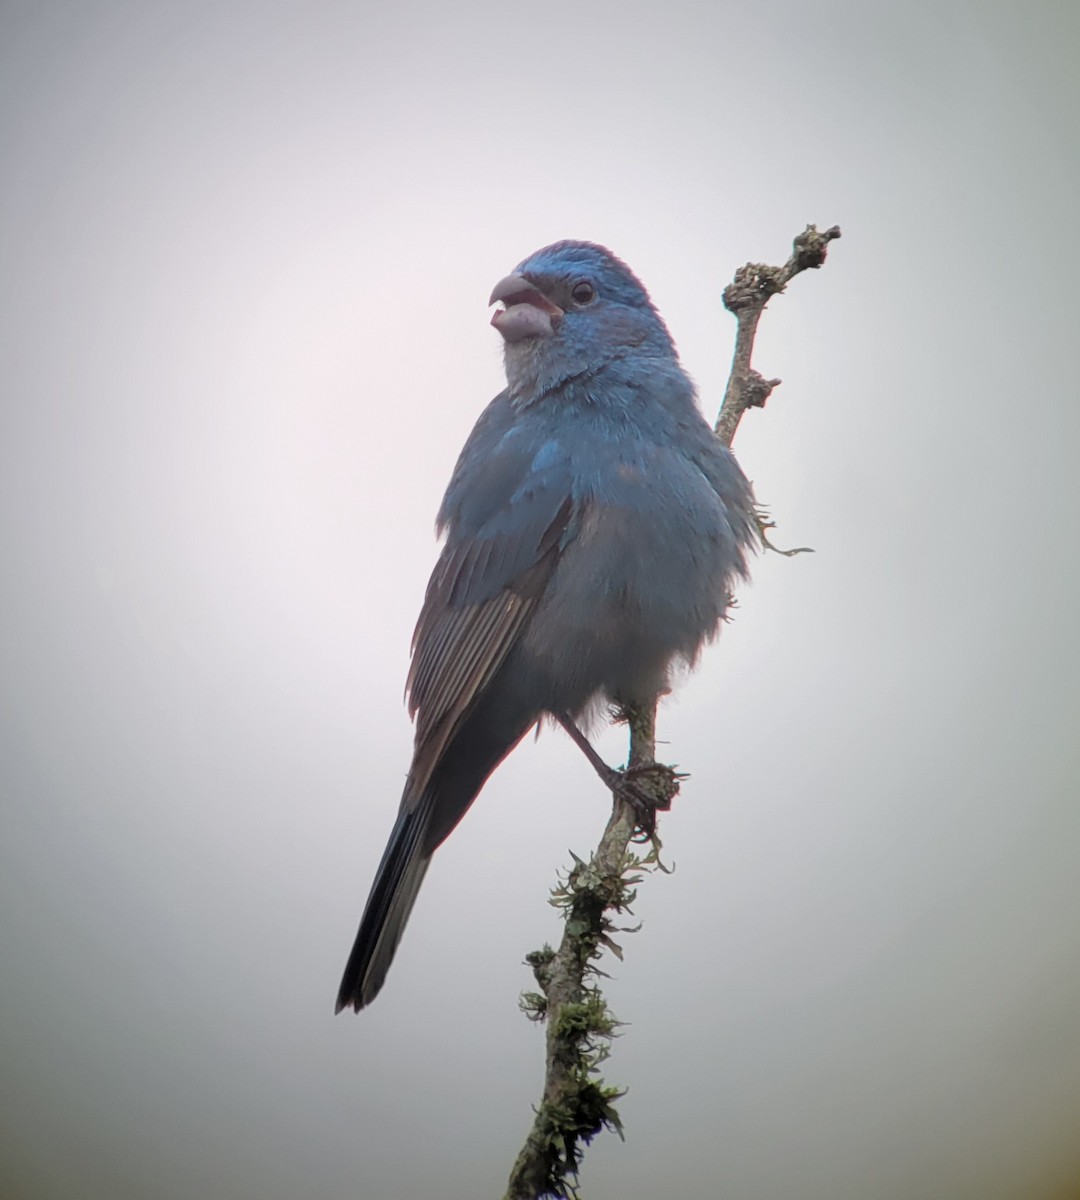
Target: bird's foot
[[648, 788]]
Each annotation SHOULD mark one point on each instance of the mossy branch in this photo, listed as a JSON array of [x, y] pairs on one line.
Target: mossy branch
[[576, 1103]]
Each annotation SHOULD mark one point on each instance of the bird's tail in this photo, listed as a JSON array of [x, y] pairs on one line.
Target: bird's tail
[[436, 797], [393, 894]]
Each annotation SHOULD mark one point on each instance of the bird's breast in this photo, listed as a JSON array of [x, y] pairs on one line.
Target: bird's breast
[[642, 582]]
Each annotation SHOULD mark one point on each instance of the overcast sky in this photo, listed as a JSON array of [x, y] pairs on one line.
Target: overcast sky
[[244, 258]]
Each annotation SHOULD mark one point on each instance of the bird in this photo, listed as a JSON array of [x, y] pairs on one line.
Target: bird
[[594, 527]]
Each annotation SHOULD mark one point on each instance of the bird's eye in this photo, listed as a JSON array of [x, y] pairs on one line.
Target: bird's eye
[[583, 292]]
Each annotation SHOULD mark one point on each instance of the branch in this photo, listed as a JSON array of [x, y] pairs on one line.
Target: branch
[[746, 296], [576, 1104]]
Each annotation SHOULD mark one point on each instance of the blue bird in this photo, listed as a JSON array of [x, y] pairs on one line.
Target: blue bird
[[594, 528]]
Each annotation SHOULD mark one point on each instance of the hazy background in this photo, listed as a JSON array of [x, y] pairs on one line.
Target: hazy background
[[246, 249]]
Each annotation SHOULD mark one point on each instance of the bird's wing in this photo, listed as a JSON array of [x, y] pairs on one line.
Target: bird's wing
[[502, 546]]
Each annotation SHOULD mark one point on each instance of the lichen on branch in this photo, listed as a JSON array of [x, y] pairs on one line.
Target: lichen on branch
[[576, 1103]]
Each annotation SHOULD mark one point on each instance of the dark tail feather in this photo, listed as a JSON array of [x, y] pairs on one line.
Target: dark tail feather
[[393, 894], [491, 731]]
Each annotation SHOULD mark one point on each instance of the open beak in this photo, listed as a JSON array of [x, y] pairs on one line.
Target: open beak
[[527, 312]]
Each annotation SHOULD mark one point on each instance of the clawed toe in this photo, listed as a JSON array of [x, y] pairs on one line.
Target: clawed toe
[[659, 787]]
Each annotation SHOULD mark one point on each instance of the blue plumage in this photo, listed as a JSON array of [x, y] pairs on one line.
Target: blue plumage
[[594, 528]]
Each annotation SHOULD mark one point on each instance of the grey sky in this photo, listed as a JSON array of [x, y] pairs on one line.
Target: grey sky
[[245, 254]]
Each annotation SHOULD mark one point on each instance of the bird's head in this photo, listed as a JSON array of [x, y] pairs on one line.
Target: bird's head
[[568, 312]]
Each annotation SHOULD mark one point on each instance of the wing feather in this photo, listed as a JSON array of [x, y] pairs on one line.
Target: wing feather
[[459, 647]]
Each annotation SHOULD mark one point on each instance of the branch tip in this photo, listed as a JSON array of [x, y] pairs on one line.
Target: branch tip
[[810, 248]]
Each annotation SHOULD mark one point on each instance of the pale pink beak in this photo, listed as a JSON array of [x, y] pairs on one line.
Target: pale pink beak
[[528, 312]]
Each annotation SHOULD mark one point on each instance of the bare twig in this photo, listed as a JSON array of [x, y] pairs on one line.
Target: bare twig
[[746, 296], [576, 1103]]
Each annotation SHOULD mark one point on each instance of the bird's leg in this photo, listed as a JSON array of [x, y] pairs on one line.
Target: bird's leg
[[609, 775], [645, 800]]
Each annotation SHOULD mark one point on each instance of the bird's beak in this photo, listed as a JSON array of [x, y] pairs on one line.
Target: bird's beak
[[527, 312]]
